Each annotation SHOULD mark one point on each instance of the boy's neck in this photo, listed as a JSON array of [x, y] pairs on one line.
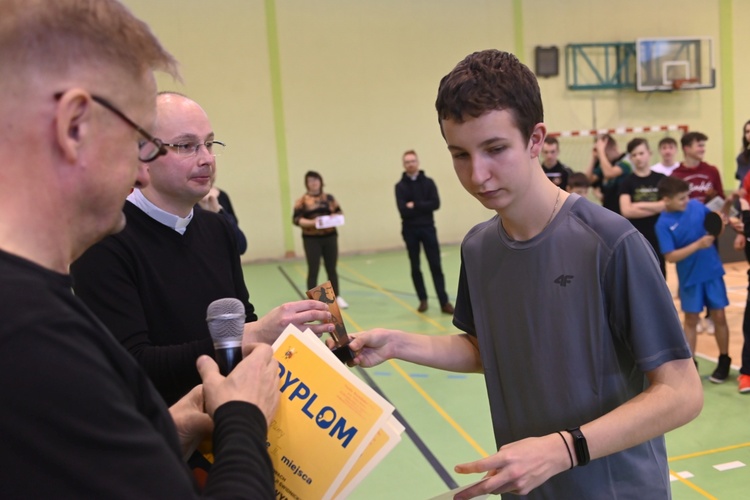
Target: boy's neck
[[691, 162], [642, 171]]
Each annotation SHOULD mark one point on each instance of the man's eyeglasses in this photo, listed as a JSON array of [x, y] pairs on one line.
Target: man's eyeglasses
[[148, 150], [214, 148]]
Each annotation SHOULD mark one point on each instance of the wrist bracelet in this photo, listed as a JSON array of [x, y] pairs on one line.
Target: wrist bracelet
[[570, 455], [580, 445]]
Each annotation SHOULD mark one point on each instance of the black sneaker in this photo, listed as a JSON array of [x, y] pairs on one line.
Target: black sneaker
[[721, 373]]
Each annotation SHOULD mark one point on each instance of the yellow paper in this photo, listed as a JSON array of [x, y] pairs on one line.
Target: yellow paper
[[326, 418], [385, 440]]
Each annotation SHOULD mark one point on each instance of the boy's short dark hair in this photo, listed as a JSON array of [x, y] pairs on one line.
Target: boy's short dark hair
[[667, 140], [552, 140], [491, 80], [634, 143], [669, 187], [578, 180], [691, 137]]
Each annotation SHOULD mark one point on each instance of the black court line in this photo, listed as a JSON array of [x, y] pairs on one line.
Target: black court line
[[421, 446], [289, 279], [418, 442]]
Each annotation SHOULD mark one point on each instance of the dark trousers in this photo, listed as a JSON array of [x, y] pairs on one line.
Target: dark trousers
[[326, 247], [427, 237]]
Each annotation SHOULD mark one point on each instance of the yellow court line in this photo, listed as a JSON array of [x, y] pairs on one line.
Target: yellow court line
[[437, 407], [433, 403], [401, 372], [709, 452], [409, 379], [702, 454], [298, 270], [391, 296], [346, 316], [692, 486]]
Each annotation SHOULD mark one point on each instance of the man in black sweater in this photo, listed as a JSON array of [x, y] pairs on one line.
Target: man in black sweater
[[417, 199], [80, 418], [152, 283]]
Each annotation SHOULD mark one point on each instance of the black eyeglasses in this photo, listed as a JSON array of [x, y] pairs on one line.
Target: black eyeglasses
[[148, 150]]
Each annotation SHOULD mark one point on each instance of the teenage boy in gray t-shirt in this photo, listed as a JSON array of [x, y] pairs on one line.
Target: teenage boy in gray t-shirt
[[564, 310]]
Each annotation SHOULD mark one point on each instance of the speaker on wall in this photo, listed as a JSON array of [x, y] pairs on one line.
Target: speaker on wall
[[546, 61]]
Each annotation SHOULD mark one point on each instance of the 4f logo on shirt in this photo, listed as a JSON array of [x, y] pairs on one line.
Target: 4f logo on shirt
[[564, 280]]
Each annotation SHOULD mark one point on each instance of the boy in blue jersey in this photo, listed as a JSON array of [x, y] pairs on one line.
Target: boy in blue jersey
[[683, 240]]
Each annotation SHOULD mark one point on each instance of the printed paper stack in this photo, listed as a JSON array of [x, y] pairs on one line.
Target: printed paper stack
[[331, 429]]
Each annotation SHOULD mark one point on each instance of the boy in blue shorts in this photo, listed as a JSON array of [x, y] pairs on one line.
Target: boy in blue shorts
[[683, 240]]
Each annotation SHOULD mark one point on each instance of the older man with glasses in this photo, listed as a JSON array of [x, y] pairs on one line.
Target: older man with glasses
[[80, 418], [152, 283]]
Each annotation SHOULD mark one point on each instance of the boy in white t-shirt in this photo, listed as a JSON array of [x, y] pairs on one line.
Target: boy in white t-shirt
[[668, 153]]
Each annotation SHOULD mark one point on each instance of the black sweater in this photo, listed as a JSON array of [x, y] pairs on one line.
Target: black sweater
[[423, 192], [80, 419], [151, 286]]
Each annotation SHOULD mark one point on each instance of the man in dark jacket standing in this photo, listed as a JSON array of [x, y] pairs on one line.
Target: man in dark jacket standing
[[417, 198]]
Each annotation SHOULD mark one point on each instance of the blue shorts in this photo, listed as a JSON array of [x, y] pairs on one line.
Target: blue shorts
[[709, 293]]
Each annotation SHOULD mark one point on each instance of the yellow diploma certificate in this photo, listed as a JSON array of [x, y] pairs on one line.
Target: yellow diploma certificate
[[326, 418]]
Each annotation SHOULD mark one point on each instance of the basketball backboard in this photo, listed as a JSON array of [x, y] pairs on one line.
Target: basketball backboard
[[675, 64], [681, 63]]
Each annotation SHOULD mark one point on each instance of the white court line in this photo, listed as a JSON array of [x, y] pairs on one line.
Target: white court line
[[684, 475], [729, 466]]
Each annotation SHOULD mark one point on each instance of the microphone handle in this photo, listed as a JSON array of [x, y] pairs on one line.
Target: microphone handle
[[227, 358]]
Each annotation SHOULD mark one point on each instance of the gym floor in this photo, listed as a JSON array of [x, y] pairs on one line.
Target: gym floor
[[447, 415]]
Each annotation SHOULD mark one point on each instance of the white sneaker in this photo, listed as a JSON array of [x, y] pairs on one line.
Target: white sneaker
[[710, 326], [699, 328], [342, 303]]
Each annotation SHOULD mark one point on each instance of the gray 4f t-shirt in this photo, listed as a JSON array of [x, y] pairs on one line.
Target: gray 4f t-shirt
[[568, 323]]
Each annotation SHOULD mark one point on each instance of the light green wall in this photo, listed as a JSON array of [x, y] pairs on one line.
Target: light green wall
[[357, 81], [741, 73]]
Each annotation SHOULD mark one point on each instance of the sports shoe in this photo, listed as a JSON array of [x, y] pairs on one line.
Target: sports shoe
[[422, 306], [720, 374], [743, 383], [341, 302], [447, 308], [710, 326], [699, 327]]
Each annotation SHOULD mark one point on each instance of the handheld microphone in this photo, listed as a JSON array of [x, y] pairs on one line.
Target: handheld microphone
[[226, 321]]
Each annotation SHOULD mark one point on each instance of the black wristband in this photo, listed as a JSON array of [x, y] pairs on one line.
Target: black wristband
[[580, 446], [570, 455]]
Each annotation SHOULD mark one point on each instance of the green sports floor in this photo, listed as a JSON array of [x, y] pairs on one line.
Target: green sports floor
[[447, 415]]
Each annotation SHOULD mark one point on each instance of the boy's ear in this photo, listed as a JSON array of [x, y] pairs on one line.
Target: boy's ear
[[536, 139]]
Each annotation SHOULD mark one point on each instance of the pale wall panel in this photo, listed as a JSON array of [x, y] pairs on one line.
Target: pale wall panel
[[359, 79]]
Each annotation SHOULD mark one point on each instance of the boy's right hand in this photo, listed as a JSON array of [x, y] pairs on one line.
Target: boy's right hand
[[371, 347], [706, 241]]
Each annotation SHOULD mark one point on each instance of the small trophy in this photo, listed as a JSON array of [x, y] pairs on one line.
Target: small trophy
[[324, 293]]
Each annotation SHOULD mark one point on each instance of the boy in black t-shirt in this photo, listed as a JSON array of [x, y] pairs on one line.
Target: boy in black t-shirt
[[639, 198]]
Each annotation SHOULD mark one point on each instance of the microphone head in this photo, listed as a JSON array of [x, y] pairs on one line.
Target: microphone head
[[226, 322]]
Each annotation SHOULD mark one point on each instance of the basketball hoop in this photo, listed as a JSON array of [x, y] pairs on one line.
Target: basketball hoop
[[678, 83]]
